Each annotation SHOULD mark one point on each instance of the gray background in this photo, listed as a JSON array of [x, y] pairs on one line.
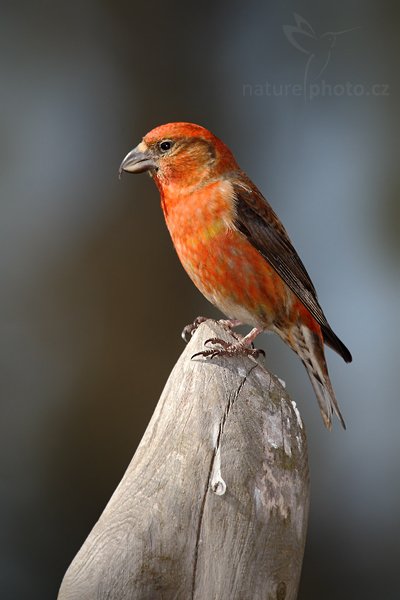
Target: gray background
[[93, 298]]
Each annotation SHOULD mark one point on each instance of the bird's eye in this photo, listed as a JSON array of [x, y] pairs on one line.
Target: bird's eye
[[165, 145]]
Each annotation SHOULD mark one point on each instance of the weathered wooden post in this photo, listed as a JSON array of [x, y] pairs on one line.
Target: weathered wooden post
[[214, 504]]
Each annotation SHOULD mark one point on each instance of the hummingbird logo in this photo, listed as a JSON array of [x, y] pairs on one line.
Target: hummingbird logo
[[318, 48]]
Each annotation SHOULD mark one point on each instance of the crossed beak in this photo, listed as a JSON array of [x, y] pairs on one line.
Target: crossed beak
[[137, 161]]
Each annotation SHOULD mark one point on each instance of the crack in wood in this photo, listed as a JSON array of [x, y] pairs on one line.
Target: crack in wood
[[231, 400]]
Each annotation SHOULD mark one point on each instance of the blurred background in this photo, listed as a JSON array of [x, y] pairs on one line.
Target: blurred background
[[93, 298]]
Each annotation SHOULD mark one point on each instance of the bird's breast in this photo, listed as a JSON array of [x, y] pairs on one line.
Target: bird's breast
[[219, 259], [197, 216]]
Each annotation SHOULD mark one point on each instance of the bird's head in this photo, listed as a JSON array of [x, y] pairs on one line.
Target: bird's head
[[181, 154]]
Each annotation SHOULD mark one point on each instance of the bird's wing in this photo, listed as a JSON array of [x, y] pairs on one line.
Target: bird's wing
[[255, 219]]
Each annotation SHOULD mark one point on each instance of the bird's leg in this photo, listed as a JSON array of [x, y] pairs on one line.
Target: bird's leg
[[189, 330], [241, 347]]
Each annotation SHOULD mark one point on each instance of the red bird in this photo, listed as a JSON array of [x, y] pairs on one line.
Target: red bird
[[235, 249]]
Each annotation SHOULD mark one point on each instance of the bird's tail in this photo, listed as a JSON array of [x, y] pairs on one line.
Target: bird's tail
[[310, 348]]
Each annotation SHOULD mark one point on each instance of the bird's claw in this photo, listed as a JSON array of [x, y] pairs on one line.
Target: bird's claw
[[229, 349], [189, 330], [227, 324]]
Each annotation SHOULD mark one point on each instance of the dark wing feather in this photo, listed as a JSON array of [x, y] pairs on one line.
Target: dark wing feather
[[258, 222]]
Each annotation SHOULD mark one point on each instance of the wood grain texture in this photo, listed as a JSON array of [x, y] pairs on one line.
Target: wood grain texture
[[214, 504]]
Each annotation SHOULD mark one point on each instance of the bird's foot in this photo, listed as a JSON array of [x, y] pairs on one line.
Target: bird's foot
[[189, 330], [229, 324], [243, 347]]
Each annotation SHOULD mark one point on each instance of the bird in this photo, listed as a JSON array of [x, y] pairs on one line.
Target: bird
[[236, 251]]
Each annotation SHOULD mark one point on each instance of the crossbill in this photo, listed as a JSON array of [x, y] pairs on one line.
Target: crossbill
[[236, 250]]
